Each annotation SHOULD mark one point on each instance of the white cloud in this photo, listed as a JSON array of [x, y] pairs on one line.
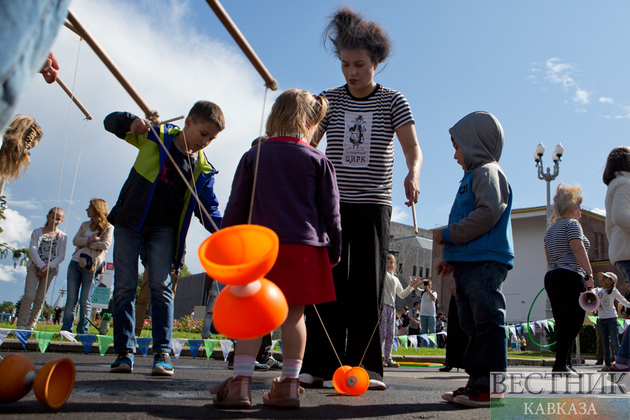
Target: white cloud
[[17, 229], [400, 214], [606, 100], [10, 274], [581, 96], [599, 211], [559, 72]]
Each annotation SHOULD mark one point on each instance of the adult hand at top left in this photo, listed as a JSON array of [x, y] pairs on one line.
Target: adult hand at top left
[[49, 70], [412, 189]]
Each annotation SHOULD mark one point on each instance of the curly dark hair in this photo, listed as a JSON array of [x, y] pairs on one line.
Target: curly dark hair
[[348, 30]]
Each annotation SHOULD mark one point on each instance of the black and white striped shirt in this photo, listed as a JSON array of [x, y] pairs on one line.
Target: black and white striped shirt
[[557, 244], [360, 141]]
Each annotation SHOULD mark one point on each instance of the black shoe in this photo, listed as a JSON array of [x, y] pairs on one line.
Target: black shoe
[[273, 363], [260, 366], [445, 368]]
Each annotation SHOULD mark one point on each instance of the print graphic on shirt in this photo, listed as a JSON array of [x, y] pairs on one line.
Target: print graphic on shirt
[[357, 139]]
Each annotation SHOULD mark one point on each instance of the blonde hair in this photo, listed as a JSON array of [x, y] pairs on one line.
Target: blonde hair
[[565, 200], [22, 135], [295, 112], [101, 209], [55, 210]]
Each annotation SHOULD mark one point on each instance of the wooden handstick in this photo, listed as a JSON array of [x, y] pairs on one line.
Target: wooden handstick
[[247, 49], [164, 122], [78, 28], [415, 222], [74, 98]]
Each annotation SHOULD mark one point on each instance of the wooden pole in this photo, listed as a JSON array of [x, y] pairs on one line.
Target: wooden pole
[[247, 49], [415, 221], [151, 115], [74, 98]]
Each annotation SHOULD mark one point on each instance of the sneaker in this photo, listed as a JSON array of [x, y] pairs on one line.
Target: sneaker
[[230, 360], [449, 396], [233, 392], [445, 368], [376, 385], [273, 363], [162, 365], [605, 369], [615, 368], [390, 363], [310, 381], [474, 397], [260, 366], [123, 364], [285, 393]]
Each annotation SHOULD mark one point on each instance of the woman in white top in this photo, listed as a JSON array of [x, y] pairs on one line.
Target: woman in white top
[[91, 241], [391, 288], [46, 251], [607, 313]]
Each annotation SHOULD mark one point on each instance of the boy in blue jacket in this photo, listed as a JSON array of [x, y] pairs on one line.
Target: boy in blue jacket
[[154, 210], [478, 251]]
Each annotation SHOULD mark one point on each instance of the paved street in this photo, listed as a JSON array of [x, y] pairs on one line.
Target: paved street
[[413, 393]]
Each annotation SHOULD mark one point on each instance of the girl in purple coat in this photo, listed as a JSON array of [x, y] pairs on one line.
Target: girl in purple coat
[[296, 196]]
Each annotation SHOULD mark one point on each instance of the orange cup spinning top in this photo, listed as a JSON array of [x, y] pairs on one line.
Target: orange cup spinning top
[[240, 256], [52, 384], [340, 377], [356, 381]]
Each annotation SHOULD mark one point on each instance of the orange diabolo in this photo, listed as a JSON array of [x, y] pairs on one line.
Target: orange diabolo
[[240, 256]]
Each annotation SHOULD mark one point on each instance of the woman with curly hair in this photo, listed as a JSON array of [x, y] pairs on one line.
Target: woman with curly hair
[[91, 241], [22, 135]]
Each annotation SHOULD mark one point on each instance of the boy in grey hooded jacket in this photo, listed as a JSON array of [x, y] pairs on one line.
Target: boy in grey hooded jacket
[[478, 250]]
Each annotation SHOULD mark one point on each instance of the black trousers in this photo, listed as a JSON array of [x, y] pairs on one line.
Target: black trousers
[[563, 288], [359, 279]]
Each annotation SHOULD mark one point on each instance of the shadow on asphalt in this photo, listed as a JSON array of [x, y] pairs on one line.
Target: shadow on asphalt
[[258, 411]]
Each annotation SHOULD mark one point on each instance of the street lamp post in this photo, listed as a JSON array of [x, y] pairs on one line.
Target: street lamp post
[[558, 151]]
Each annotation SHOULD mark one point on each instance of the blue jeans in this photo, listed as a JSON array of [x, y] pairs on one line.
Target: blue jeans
[[427, 323], [78, 278], [623, 356], [27, 32], [160, 248], [481, 311], [608, 329]]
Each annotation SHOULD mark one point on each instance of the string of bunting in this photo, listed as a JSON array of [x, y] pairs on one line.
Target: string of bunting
[[104, 342]]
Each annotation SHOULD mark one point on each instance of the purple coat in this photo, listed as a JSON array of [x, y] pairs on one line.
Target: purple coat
[[296, 194]]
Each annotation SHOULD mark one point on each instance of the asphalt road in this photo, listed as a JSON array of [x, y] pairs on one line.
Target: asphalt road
[[413, 393]]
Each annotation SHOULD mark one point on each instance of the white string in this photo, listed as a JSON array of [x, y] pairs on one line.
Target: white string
[[63, 158], [251, 203]]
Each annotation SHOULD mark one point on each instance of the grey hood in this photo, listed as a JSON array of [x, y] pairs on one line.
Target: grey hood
[[480, 136]]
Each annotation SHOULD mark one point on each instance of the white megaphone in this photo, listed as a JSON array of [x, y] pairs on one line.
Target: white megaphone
[[589, 301]]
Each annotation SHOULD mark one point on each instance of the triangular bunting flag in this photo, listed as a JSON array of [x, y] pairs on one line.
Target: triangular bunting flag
[[519, 329], [43, 339], [209, 345], [273, 344], [532, 327], [425, 338], [178, 345], [413, 340], [592, 318], [627, 322], [23, 336], [395, 344], [433, 339], [87, 340], [404, 340], [226, 346], [104, 342], [143, 343], [507, 332], [525, 328], [539, 324], [68, 335], [280, 344], [3, 334], [620, 322], [513, 330], [551, 324], [194, 347], [545, 324]]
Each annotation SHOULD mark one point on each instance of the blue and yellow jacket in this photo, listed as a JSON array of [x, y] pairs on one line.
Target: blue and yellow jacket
[[135, 197]]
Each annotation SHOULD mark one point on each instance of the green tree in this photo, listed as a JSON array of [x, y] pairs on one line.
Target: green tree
[[7, 307], [185, 271]]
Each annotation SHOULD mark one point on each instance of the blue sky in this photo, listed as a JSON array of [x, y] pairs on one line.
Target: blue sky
[[550, 71]]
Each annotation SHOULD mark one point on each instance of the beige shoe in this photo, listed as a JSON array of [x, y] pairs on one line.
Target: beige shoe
[[284, 393], [233, 392]]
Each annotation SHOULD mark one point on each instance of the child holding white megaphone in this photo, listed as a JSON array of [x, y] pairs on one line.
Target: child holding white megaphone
[[607, 314]]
